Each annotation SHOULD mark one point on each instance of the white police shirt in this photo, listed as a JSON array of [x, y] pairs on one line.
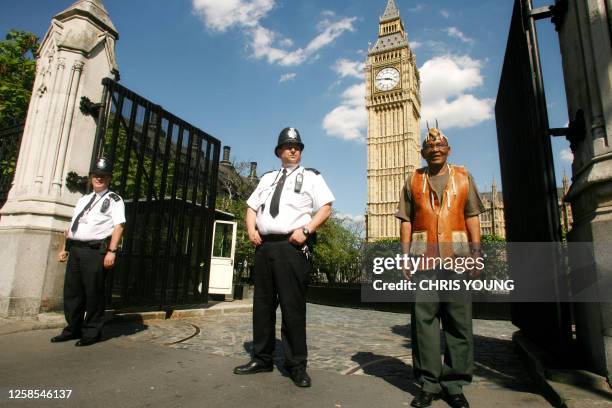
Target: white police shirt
[[96, 224], [295, 208]]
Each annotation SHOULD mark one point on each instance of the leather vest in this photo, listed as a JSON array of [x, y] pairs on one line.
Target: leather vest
[[438, 223]]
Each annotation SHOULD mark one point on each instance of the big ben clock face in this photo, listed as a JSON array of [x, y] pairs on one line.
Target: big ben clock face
[[387, 79]]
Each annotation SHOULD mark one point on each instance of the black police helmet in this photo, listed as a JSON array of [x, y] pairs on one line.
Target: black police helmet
[[291, 136], [102, 167]]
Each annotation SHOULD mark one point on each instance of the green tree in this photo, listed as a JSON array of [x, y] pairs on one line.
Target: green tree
[[17, 73], [234, 189], [338, 252]]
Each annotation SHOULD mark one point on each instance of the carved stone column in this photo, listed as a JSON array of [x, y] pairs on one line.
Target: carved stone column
[[77, 52], [584, 36]]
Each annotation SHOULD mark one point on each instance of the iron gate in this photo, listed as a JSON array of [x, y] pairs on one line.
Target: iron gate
[[10, 141], [527, 171], [166, 171]]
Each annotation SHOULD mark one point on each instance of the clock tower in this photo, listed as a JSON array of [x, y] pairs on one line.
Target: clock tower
[[393, 105]]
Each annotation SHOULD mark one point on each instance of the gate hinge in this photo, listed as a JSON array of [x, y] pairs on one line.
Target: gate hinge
[[555, 12], [574, 133], [88, 108]]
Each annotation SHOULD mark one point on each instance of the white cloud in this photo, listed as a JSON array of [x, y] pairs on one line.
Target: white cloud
[[445, 81], [348, 120], [330, 30], [359, 218], [444, 13], [567, 155], [287, 77], [415, 44], [221, 15], [416, 8], [345, 67], [456, 33]]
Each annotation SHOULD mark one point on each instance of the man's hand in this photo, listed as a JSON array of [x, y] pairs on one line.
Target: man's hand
[[62, 256], [109, 260], [407, 273], [475, 272], [254, 237], [298, 237]]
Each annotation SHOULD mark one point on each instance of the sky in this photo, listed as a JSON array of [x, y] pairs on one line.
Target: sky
[[242, 70]]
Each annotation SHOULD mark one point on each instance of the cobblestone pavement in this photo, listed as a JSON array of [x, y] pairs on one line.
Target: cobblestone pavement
[[348, 341]]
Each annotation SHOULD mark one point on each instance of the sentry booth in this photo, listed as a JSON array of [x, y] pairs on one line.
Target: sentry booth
[[221, 281]]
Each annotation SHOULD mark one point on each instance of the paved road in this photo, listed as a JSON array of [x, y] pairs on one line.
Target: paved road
[[359, 358]]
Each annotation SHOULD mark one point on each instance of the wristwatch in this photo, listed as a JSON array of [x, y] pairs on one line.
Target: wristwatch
[[114, 251], [306, 231]]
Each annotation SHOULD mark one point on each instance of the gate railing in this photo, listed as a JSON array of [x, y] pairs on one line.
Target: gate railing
[[166, 171], [10, 141]]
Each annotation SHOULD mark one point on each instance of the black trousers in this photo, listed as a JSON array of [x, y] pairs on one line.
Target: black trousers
[[281, 277], [84, 293]]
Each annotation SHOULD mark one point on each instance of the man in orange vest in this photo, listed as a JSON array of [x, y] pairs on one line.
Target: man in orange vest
[[438, 208]]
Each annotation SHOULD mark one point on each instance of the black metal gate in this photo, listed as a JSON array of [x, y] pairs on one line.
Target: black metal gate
[[10, 141], [529, 188], [166, 171]]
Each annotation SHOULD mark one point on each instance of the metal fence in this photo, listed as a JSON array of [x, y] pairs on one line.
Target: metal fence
[[166, 171], [10, 142]]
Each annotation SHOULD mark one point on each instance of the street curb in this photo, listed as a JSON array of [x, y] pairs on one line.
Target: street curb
[[562, 388], [218, 309], [46, 321]]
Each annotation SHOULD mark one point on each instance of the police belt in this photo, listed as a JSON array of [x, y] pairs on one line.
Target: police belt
[[275, 237], [97, 244]]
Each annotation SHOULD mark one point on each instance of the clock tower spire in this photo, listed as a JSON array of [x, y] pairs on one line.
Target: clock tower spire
[[394, 110]]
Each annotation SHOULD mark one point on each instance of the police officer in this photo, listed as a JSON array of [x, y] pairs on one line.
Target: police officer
[[280, 224], [92, 240]]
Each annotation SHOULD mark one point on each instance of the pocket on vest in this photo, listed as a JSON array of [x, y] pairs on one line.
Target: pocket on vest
[[461, 246], [418, 244]]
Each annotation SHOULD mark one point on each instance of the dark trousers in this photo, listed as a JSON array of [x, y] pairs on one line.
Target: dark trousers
[[84, 293], [454, 311], [281, 277]]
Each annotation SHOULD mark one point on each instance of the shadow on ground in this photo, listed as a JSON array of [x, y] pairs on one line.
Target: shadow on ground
[[120, 328]]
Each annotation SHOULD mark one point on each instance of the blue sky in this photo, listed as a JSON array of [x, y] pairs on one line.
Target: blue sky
[[244, 69]]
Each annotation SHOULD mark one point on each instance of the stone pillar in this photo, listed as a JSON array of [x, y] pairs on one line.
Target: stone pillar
[[77, 52], [584, 36]]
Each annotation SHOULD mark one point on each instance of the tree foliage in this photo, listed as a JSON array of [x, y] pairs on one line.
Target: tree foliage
[[338, 252], [17, 73]]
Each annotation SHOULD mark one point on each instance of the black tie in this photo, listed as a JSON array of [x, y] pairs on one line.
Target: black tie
[[75, 224], [277, 194]]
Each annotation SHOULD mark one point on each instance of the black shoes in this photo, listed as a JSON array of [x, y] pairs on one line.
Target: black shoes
[[86, 342], [457, 401], [253, 367], [424, 399], [63, 337], [300, 377]]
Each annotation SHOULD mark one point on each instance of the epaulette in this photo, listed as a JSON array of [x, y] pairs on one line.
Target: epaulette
[[271, 171], [315, 171], [114, 196]]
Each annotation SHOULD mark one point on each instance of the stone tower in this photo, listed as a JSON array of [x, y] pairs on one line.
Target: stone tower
[[393, 104]]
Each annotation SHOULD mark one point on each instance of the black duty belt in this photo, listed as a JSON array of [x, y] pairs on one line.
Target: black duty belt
[[275, 237], [87, 244]]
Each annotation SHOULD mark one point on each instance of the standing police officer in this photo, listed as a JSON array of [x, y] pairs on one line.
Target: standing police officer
[[92, 239], [280, 224]]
